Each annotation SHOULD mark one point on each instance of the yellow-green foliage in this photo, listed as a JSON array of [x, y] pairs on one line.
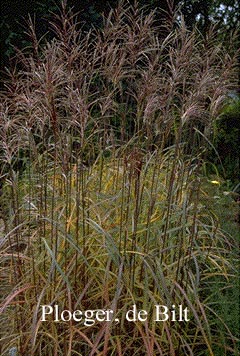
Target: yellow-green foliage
[[110, 236]]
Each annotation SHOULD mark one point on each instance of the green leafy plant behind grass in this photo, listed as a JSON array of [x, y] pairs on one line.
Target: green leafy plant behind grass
[[101, 155]]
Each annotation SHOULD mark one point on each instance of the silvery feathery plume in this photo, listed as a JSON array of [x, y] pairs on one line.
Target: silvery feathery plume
[[13, 351]]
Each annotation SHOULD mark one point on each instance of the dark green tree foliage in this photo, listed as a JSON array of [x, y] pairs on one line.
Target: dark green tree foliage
[[207, 12], [14, 20], [196, 11], [227, 140]]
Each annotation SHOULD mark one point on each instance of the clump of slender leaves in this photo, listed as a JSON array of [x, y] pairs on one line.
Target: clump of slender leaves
[[102, 142]]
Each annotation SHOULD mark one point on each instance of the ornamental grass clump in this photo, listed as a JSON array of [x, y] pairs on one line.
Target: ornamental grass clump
[[102, 142]]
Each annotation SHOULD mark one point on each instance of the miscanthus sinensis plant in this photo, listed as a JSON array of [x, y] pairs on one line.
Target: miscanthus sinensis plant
[[102, 142]]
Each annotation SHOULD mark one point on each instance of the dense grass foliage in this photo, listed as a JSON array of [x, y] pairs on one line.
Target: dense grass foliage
[[102, 195]]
